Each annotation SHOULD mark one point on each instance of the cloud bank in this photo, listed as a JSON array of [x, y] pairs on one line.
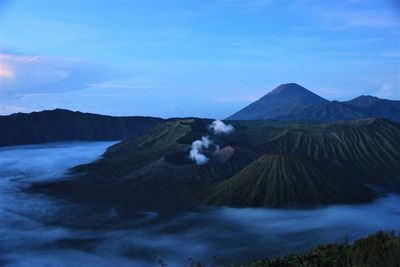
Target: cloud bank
[[60, 233]]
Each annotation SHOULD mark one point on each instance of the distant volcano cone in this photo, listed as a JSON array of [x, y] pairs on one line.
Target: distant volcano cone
[[292, 102], [279, 102]]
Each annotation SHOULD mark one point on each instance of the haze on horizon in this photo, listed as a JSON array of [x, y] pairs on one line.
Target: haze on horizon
[[192, 58]]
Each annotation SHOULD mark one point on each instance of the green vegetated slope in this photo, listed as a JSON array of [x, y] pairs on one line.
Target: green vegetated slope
[[286, 180], [369, 149], [263, 163], [134, 153], [380, 249], [328, 163], [153, 170]]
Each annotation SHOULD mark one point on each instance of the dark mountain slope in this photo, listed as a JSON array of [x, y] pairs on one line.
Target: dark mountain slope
[[292, 102], [63, 125], [376, 107], [331, 111], [328, 163], [369, 149], [308, 164], [278, 103], [153, 170], [358, 108], [286, 181]]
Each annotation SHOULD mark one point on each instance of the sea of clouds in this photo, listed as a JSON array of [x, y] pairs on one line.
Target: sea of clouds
[[36, 230]]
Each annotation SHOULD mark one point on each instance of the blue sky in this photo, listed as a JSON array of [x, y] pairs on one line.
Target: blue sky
[[192, 58]]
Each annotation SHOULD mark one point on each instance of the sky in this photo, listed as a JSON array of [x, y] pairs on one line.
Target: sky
[[205, 58]]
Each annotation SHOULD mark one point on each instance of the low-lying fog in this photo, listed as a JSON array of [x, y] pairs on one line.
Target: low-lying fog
[[36, 230]]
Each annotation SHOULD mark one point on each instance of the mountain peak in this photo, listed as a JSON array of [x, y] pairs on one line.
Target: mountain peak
[[366, 98], [279, 102], [288, 87], [293, 89]]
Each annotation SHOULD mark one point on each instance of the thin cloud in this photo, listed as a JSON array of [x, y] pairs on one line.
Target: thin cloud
[[6, 72], [371, 19], [338, 18], [393, 54], [389, 90], [237, 98], [124, 86], [39, 74], [245, 6]]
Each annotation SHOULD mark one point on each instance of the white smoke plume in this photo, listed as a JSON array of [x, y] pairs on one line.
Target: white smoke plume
[[219, 127], [197, 148]]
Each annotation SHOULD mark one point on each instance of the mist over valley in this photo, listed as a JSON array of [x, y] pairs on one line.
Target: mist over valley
[[39, 230]]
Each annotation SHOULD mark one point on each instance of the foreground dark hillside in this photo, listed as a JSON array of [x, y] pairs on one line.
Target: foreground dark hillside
[[381, 249], [64, 125], [261, 164], [378, 250]]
